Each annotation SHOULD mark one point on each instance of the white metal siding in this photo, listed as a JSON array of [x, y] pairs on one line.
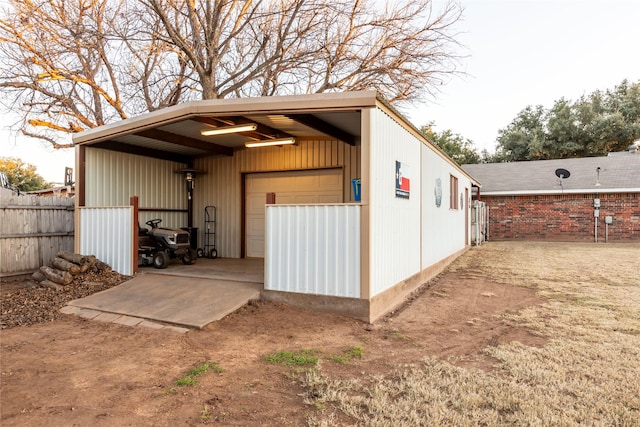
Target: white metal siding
[[107, 233], [313, 249], [221, 185], [443, 229], [111, 178], [394, 222]]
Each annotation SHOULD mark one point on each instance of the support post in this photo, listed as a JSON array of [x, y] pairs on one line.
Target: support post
[[133, 201]]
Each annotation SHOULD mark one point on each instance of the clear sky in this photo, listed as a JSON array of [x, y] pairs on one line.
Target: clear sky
[[530, 52], [519, 53]]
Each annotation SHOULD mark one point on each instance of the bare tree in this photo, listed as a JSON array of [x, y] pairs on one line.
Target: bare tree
[[73, 65], [249, 48], [70, 65]]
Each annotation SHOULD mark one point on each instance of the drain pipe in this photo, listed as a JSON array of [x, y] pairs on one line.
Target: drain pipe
[[596, 215]]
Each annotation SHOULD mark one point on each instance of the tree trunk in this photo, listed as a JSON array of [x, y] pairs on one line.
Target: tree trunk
[[38, 276], [56, 276], [74, 258], [63, 264], [50, 284]]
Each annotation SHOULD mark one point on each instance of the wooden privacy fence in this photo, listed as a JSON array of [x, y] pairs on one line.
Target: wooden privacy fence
[[32, 230]]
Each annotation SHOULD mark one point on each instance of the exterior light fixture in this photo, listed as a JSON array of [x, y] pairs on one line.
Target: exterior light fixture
[[229, 129], [268, 142]]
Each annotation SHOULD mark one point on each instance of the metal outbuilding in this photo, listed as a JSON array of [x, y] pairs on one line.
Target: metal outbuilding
[[362, 208]]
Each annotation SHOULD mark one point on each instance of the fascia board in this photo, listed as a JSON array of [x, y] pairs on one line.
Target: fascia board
[[236, 106], [546, 192]]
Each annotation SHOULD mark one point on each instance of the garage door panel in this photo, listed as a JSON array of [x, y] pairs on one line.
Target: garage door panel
[[255, 204], [255, 225], [330, 181], [255, 247], [294, 187], [329, 198], [285, 199], [305, 198]]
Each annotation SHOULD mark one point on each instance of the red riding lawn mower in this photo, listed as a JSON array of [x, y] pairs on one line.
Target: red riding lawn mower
[[160, 245]]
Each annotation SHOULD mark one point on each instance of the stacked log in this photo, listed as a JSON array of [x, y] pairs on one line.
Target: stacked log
[[64, 267]]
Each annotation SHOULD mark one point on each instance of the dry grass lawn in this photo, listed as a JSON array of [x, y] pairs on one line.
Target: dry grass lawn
[[588, 373]]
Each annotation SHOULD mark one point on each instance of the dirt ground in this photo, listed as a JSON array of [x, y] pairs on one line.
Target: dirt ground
[[71, 371]]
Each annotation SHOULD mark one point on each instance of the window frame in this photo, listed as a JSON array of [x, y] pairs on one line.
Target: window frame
[[453, 193]]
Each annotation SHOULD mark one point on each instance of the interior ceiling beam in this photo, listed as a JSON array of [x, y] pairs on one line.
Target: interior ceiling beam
[[324, 127], [141, 151], [262, 131], [173, 138]]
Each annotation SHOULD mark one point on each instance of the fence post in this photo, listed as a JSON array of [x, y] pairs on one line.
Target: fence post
[[133, 201]]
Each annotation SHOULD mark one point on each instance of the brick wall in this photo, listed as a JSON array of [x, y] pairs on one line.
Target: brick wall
[[563, 217]]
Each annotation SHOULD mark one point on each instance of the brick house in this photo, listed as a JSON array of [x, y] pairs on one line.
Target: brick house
[[597, 200]]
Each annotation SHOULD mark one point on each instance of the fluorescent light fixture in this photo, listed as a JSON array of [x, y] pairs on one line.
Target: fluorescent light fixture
[[268, 142], [229, 129]]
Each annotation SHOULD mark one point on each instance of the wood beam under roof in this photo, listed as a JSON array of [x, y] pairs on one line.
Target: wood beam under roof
[[173, 138], [324, 127], [141, 151], [261, 132]]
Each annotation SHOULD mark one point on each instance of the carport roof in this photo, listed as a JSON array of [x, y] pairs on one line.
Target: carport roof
[[173, 133], [619, 172]]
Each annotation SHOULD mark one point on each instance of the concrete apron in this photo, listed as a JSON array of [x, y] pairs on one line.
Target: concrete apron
[[193, 302]]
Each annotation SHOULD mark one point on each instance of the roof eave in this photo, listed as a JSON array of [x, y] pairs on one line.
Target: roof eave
[[235, 106], [560, 192]]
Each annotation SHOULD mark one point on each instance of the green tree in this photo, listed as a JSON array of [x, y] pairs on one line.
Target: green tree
[[460, 149], [22, 176], [525, 137], [594, 125]]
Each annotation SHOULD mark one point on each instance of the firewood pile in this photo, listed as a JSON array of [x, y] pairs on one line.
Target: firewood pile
[[64, 267], [39, 297]]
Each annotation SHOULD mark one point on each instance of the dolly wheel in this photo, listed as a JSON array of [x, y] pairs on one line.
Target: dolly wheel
[[213, 254], [161, 259], [190, 257], [200, 252]]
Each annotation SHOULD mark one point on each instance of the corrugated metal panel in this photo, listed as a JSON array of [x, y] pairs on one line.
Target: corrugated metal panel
[[107, 233], [394, 222], [442, 228], [222, 184], [313, 249], [155, 144], [112, 178]]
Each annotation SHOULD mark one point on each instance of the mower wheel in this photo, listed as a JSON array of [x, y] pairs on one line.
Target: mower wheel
[[213, 254], [161, 259], [190, 257]]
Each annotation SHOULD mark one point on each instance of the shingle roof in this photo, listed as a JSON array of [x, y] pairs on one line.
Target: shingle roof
[[618, 172]]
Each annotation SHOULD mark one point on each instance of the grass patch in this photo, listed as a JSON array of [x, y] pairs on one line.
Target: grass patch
[[586, 374], [355, 352], [190, 378], [303, 357]]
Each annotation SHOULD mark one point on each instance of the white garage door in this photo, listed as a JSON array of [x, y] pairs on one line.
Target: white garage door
[[296, 187]]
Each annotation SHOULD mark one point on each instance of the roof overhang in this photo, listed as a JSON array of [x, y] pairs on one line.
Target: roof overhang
[[572, 191], [174, 133]]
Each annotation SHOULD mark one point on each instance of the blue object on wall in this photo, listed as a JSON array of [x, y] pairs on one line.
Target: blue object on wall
[[356, 189]]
